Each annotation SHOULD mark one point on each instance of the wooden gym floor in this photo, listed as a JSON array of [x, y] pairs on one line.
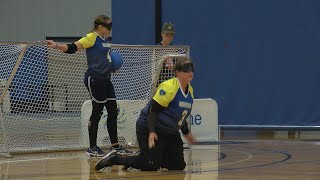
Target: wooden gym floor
[[232, 158]]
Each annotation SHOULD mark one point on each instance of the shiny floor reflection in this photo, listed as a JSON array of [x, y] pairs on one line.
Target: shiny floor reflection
[[251, 159]]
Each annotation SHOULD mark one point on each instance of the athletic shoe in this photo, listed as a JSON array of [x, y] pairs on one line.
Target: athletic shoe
[[121, 151], [130, 169], [105, 163], [96, 151]]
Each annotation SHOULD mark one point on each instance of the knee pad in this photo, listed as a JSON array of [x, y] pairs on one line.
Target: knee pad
[[112, 109]]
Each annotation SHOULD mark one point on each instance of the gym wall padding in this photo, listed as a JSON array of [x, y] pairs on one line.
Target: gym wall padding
[[258, 59]]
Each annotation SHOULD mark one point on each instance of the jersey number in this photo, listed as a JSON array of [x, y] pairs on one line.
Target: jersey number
[[183, 116]]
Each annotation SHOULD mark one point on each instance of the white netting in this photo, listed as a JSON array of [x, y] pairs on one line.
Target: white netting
[[43, 94]]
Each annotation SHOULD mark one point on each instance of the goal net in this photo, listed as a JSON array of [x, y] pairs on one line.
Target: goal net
[[45, 106]]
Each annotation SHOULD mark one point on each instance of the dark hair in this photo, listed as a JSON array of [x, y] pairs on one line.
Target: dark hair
[[99, 20], [180, 62]]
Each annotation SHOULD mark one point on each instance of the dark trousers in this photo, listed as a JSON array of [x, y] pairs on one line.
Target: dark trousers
[[97, 110], [103, 95], [167, 153]]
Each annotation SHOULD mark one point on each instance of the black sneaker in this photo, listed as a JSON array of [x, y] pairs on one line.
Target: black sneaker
[[121, 151], [105, 163], [96, 151]]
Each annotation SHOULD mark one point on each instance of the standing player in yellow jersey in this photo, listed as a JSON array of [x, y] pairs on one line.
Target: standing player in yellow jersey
[[158, 126], [97, 80]]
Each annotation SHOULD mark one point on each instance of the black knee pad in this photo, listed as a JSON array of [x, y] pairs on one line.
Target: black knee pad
[[96, 113], [112, 109]]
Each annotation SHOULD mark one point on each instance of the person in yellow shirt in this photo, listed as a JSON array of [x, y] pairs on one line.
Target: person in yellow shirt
[[97, 80], [158, 126]]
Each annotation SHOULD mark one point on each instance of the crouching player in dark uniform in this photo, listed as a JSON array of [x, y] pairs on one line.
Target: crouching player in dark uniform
[[158, 126]]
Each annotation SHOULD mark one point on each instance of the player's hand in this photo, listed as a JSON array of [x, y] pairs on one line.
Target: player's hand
[[52, 44], [152, 138], [190, 138]]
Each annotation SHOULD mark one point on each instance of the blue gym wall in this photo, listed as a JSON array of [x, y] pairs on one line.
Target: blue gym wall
[[258, 59], [133, 22]]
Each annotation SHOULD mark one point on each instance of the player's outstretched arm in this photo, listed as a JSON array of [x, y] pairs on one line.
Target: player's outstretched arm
[[64, 47]]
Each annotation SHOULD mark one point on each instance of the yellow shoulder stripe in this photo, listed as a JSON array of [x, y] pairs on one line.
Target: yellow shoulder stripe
[[191, 91], [166, 92], [89, 40]]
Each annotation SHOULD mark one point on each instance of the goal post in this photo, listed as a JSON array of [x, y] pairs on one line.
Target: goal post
[[42, 94]]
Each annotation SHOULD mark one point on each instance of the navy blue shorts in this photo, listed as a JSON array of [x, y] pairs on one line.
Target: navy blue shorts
[[100, 90]]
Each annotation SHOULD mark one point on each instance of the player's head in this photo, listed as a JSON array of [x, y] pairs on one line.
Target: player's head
[[167, 33], [184, 68], [103, 25]]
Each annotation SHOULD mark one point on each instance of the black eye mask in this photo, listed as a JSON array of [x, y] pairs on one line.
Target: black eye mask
[[188, 67], [106, 25]]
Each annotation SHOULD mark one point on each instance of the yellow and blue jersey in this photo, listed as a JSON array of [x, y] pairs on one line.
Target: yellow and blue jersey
[[178, 105], [98, 55]]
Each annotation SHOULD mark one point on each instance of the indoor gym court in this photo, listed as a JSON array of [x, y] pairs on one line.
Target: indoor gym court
[[262, 156], [262, 58]]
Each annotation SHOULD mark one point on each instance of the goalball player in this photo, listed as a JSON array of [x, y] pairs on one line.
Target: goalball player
[[97, 80], [158, 126]]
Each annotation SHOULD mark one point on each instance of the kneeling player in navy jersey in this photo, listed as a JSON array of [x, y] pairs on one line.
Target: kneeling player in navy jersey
[[158, 126]]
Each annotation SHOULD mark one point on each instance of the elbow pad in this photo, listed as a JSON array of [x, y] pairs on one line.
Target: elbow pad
[[72, 48]]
